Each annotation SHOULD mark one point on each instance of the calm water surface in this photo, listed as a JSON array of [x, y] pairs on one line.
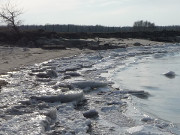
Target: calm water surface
[[147, 74]]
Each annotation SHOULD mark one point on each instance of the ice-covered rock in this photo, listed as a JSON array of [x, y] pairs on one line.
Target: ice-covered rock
[[170, 74], [63, 97], [90, 114]]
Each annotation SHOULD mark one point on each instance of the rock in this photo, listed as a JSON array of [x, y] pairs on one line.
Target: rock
[[170, 74], [147, 119], [90, 114], [137, 44], [42, 75], [3, 83], [52, 73], [66, 77]]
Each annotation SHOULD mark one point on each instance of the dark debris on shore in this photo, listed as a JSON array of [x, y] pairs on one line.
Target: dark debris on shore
[[54, 40]]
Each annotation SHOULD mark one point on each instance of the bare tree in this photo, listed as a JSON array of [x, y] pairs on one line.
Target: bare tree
[[9, 14]]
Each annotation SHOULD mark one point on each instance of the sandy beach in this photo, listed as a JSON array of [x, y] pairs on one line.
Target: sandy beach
[[14, 57]]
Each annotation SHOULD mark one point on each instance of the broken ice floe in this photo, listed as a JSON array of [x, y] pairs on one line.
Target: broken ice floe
[[63, 97], [88, 84]]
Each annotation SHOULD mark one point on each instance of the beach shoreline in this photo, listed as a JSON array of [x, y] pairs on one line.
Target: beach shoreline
[[12, 58], [77, 95]]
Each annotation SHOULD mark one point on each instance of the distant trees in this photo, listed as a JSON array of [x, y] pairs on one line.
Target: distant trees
[[9, 14], [143, 25]]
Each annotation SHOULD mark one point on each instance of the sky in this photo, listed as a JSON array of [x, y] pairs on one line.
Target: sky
[[99, 12]]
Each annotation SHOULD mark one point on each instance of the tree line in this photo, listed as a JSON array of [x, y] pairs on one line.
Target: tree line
[[95, 29], [9, 14]]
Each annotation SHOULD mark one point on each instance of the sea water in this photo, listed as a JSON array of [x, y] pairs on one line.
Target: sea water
[[146, 72]]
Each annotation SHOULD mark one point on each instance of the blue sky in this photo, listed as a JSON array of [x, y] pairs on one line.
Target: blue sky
[[102, 12]]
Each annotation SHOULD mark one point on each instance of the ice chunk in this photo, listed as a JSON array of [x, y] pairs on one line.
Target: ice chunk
[[73, 74], [31, 124], [63, 97], [90, 84], [51, 113]]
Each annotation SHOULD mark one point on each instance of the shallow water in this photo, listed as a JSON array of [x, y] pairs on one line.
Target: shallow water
[[147, 75]]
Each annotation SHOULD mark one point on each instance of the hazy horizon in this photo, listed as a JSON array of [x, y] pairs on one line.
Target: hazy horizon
[[101, 12]]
